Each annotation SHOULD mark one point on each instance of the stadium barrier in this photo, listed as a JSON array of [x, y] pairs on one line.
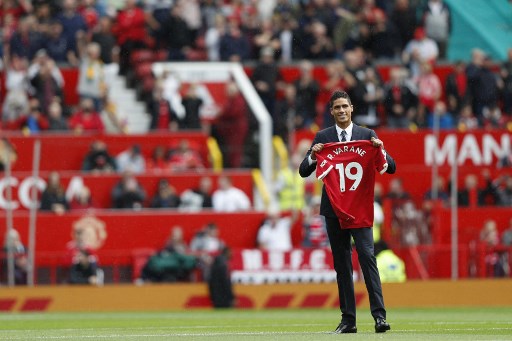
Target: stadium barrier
[[175, 297]]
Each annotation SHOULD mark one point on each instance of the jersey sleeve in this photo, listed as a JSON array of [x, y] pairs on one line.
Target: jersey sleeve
[[381, 164], [323, 166]]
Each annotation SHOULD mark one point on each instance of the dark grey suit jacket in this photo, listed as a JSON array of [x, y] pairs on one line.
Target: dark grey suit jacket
[[330, 135]]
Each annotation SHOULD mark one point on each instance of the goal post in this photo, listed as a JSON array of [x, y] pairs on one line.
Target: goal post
[[205, 72]]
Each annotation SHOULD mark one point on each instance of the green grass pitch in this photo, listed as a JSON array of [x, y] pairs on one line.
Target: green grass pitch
[[306, 324]]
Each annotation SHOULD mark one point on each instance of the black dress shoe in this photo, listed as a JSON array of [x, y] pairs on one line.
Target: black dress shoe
[[344, 328], [381, 325]]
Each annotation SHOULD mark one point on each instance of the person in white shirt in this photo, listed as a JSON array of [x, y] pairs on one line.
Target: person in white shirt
[[131, 160], [228, 198], [275, 233]]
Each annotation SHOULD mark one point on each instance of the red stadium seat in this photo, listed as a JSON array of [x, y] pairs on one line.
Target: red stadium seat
[[143, 71]]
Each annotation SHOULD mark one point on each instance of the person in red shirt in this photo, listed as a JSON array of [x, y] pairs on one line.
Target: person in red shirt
[[130, 31], [353, 179], [86, 118]]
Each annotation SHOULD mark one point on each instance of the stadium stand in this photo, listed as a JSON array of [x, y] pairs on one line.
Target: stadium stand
[[353, 35]]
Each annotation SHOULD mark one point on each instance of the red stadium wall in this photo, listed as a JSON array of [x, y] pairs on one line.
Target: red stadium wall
[[67, 151]]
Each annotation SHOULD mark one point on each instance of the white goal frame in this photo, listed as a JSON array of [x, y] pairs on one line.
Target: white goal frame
[[205, 71]]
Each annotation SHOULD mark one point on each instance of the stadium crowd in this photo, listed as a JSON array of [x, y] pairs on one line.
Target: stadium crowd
[[347, 38]]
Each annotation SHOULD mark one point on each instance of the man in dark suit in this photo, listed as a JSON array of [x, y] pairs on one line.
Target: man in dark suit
[[340, 238]]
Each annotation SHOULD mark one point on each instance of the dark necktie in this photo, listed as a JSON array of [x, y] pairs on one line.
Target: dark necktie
[[343, 136]]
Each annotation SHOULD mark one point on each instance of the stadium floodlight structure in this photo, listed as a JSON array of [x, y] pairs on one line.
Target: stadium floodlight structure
[[204, 72]]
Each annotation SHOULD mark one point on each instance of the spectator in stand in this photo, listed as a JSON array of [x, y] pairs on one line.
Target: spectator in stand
[[275, 234], [399, 100], [337, 78], [397, 194], [456, 88], [468, 195], [82, 200], [486, 95], [198, 198], [98, 159], [467, 121], [46, 87], [266, 37], [314, 227], [91, 77], [163, 117], [16, 102], [207, 240], [384, 39], [25, 41], [176, 240], [429, 92], [233, 118], [128, 193], [90, 13], [442, 193], [266, 78], [442, 115], [169, 265], [177, 34], [438, 24], [493, 117], [57, 46], [13, 243], [506, 237], [321, 45], [109, 50], [420, 49], [159, 161], [192, 104], [130, 30], [158, 12], [503, 185], [86, 119], [85, 270], [473, 70], [165, 196], [34, 121], [373, 94], [213, 36], [288, 41], [403, 17], [233, 45], [228, 198], [72, 21], [131, 160], [506, 94], [56, 121], [307, 89], [54, 196], [191, 13], [185, 158], [283, 118], [494, 261]]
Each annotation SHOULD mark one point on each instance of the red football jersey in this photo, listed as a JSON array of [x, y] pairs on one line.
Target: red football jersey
[[348, 172]]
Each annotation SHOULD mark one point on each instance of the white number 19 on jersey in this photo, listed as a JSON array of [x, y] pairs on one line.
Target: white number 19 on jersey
[[347, 172]]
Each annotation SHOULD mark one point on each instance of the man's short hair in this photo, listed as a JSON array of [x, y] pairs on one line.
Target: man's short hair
[[339, 94]]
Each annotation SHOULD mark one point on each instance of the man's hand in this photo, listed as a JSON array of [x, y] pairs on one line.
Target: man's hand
[[377, 142], [316, 149]]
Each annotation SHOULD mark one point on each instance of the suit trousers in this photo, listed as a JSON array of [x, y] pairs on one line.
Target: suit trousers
[[341, 247]]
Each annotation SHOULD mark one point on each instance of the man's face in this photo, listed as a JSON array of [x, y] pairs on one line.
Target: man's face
[[341, 110]]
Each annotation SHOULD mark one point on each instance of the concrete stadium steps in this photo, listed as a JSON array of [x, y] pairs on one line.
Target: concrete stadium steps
[[480, 24], [129, 109]]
